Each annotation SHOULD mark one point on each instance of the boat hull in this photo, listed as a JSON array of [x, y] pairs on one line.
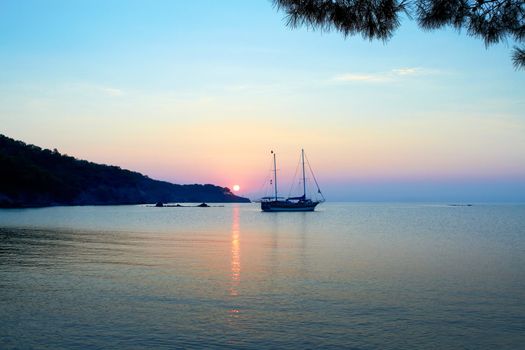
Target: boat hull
[[273, 206]]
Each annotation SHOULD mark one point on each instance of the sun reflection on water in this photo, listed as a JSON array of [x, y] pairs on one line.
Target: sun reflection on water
[[235, 254], [235, 261]]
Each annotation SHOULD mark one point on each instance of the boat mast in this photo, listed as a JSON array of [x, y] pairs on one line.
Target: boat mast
[[275, 175], [304, 178]]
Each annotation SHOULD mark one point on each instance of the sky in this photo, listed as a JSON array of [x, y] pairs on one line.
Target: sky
[[201, 91]]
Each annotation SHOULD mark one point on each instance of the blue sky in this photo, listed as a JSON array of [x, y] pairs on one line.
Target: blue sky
[[201, 91]]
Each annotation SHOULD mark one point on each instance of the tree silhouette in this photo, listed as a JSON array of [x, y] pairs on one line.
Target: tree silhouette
[[491, 20]]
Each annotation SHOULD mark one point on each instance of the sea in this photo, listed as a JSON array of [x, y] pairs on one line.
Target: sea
[[347, 276]]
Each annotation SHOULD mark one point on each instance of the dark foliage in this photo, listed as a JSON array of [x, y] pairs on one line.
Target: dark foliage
[[31, 176], [491, 20], [518, 58], [373, 19]]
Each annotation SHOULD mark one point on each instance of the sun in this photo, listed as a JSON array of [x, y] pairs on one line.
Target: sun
[[236, 188]]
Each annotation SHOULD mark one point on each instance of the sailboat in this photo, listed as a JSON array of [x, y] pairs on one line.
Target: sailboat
[[301, 203]]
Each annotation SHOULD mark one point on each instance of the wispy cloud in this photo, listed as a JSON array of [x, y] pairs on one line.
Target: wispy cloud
[[93, 88], [410, 71], [372, 78], [384, 77], [111, 91]]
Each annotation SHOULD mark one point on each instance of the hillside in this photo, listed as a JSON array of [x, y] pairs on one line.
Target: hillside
[[31, 177]]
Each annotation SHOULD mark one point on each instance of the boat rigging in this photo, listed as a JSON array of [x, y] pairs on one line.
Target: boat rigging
[[302, 203]]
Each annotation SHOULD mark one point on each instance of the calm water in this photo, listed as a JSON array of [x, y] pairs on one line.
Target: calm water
[[360, 276]]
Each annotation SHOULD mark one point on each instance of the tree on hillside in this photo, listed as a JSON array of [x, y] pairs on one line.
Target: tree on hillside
[[492, 21]]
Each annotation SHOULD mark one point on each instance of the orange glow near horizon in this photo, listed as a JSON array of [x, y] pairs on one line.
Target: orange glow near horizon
[[382, 149], [340, 150]]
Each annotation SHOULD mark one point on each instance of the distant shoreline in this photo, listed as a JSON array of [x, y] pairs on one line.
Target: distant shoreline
[[149, 204], [33, 177]]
